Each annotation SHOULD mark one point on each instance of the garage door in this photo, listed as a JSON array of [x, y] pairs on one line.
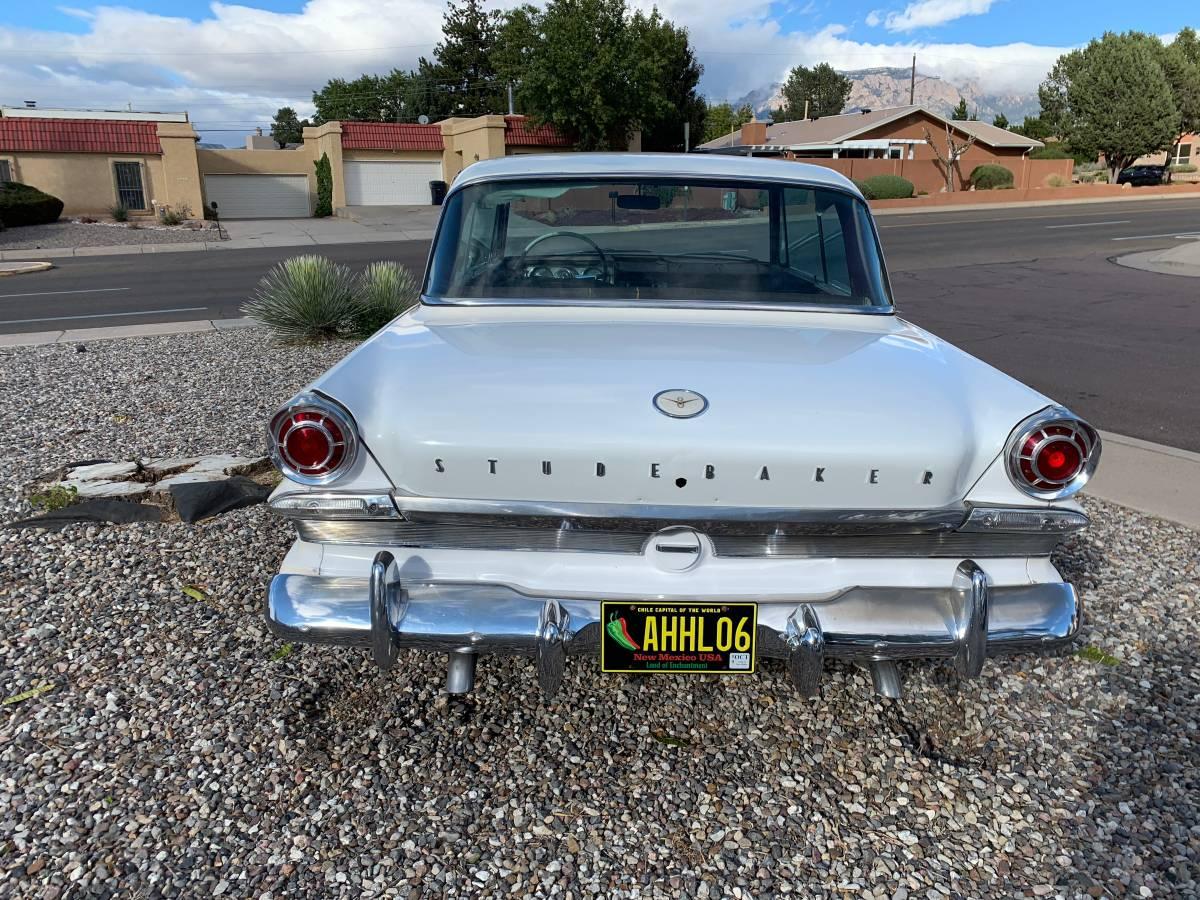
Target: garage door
[[258, 196], [389, 183]]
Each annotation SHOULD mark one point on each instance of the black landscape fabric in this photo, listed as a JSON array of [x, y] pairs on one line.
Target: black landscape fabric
[[203, 499], [118, 512]]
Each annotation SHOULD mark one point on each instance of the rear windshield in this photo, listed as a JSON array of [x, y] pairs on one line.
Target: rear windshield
[[665, 240]]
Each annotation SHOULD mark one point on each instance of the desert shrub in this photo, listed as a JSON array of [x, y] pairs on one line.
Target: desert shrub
[[382, 292], [324, 187], [176, 215], [990, 177], [885, 187], [21, 204], [1183, 167], [120, 212], [304, 298], [1056, 181], [1050, 151]]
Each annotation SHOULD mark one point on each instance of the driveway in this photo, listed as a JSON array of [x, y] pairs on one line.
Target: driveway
[[355, 224]]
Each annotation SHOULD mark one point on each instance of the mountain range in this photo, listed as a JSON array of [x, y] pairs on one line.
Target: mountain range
[[884, 87]]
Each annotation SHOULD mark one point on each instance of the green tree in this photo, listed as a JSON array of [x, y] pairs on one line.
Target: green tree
[[1055, 113], [1117, 99], [463, 72], [395, 97], [722, 119], [584, 71], [960, 114], [1001, 121], [824, 88], [1181, 66], [678, 75], [1032, 127], [286, 127]]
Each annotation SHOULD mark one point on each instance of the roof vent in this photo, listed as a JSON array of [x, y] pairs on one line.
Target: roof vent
[[31, 104]]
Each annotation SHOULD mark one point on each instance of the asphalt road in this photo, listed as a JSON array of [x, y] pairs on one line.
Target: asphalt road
[[1029, 290]]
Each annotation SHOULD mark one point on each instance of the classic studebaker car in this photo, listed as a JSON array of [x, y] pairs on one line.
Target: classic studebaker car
[[659, 410]]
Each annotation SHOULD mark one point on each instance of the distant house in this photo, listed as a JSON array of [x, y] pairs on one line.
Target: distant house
[[1186, 152], [895, 133]]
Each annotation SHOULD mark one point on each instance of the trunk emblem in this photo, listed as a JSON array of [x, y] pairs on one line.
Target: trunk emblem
[[679, 403]]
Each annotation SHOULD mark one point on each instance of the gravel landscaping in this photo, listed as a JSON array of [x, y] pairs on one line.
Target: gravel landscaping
[[99, 234], [162, 743]]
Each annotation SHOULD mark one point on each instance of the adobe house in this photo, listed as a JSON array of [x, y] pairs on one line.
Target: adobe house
[[896, 135], [93, 160]]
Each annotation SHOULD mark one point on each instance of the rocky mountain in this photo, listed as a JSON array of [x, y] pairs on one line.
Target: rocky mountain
[[878, 88]]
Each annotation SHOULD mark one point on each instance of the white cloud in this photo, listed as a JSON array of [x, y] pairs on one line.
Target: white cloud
[[874, 19], [928, 13], [235, 67]]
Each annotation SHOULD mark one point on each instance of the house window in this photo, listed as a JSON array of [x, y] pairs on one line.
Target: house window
[[1182, 156], [894, 152], [5, 170], [129, 185]]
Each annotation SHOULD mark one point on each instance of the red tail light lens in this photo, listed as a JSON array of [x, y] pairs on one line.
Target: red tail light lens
[[312, 440], [1053, 454]]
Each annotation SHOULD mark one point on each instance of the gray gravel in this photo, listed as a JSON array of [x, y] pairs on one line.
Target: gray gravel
[[181, 750], [79, 234]]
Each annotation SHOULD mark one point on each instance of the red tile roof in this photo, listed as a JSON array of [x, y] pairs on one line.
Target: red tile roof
[[79, 136], [518, 132], [390, 136]]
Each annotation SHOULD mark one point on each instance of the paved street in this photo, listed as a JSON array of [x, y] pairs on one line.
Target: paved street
[[1029, 290]]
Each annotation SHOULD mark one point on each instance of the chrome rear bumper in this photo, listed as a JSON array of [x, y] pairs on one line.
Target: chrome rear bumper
[[966, 622]]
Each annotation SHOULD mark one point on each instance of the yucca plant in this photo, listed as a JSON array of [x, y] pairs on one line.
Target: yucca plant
[[305, 298], [382, 292]]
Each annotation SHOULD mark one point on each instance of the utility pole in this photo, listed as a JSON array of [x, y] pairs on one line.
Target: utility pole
[[687, 135], [806, 110], [511, 111], [912, 82]]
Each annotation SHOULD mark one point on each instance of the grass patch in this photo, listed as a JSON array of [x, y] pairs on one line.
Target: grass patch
[[57, 497], [283, 652], [1096, 655]]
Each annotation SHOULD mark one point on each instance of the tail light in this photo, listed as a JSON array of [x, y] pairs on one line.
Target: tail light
[[313, 440], [1051, 455]]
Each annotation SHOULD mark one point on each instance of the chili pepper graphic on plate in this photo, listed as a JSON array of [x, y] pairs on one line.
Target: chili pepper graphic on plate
[[619, 632]]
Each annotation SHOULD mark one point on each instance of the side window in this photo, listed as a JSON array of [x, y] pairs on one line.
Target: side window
[[816, 246]]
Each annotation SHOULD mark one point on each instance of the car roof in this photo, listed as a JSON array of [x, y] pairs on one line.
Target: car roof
[[653, 165]]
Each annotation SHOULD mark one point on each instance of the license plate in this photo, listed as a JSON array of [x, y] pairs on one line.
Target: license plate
[[678, 638]]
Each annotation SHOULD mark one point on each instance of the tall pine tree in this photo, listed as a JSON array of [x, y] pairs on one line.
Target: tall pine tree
[[462, 74]]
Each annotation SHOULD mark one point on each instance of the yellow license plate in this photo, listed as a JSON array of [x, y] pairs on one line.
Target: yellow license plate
[[678, 638]]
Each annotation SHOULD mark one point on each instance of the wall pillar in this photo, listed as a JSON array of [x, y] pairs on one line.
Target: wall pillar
[[181, 171], [326, 139], [467, 141]]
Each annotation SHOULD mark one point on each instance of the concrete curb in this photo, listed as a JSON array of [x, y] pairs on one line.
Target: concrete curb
[[259, 243], [18, 268], [1183, 259], [1035, 204], [82, 335], [1151, 478]]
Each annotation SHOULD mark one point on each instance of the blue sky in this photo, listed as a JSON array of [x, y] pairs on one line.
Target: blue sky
[[232, 64]]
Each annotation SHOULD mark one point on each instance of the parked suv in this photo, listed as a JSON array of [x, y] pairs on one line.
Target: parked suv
[[1140, 176]]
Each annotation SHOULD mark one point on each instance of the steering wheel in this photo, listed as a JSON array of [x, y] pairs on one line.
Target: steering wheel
[[604, 262]]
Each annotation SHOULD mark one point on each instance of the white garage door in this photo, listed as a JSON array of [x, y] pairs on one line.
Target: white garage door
[[258, 196], [389, 183]]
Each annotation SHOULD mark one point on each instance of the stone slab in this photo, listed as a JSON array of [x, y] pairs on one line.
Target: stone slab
[[109, 471]]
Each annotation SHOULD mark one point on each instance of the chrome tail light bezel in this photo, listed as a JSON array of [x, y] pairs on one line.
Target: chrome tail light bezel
[[1085, 438], [317, 404]]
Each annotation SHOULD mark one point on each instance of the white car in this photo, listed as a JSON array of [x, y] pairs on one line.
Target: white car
[[657, 412]]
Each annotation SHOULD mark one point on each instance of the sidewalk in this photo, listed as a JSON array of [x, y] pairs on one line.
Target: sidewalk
[[254, 234], [1133, 195], [1181, 260]]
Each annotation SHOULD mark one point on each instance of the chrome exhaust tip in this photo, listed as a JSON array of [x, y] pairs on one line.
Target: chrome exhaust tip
[[885, 676], [460, 672]]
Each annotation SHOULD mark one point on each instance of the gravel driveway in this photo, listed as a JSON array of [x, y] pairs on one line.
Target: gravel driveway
[[180, 750], [79, 234]]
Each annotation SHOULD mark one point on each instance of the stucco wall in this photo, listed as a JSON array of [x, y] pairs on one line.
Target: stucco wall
[[468, 141], [85, 182], [927, 174]]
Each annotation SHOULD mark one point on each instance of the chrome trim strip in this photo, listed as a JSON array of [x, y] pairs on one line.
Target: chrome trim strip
[[326, 506], [643, 303], [505, 512], [938, 544], [863, 623]]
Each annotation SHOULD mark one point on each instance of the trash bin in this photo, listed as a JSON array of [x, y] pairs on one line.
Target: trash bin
[[437, 192]]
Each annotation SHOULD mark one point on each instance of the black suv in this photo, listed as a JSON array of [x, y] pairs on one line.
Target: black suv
[[1139, 176]]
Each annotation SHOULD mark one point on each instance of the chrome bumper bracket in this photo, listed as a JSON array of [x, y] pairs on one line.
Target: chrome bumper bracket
[[554, 630], [383, 649], [971, 620], [806, 650]]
